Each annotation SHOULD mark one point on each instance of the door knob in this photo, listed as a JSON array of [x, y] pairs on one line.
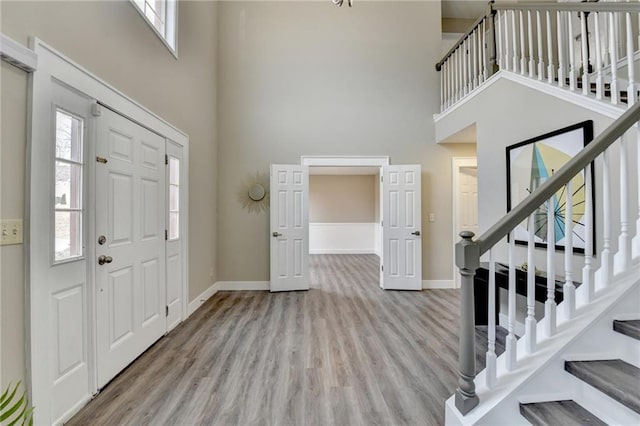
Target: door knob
[[277, 234], [416, 233], [104, 259]]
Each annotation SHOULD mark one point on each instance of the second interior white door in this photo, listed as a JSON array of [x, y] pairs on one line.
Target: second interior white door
[[130, 232], [289, 227], [401, 230]]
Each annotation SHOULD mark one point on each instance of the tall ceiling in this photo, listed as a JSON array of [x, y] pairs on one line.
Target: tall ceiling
[[464, 9]]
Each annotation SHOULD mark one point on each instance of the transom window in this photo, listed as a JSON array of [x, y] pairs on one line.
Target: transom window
[[68, 186], [162, 16]]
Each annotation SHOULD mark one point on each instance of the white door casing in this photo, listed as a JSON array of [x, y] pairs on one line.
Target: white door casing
[[289, 231], [61, 296], [402, 221], [130, 213], [175, 274]]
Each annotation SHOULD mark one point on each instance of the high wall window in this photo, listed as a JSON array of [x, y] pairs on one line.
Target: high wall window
[[162, 16], [68, 186]]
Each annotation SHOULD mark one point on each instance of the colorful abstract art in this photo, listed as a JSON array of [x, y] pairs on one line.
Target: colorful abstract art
[[533, 162]]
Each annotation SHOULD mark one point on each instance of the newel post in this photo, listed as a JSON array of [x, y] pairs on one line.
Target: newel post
[[467, 261]]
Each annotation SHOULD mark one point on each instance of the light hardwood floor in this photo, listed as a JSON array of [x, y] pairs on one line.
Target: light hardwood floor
[[343, 353]]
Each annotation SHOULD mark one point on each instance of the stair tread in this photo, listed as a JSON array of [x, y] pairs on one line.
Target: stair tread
[[566, 413], [630, 328], [614, 377]]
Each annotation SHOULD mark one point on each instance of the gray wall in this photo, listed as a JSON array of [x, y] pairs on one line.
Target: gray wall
[[342, 199], [309, 78], [111, 40]]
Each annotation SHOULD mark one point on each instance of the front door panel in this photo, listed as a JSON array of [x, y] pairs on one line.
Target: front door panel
[[130, 213]]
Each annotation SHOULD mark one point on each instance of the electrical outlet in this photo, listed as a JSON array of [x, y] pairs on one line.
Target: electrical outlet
[[10, 231], [432, 217]]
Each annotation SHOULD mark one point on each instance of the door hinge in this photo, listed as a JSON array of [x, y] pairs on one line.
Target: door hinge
[[101, 160], [96, 110], [382, 268], [382, 223], [166, 310], [166, 159], [381, 178], [166, 234]]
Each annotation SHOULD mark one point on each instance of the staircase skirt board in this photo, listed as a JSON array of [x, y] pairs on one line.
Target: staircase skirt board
[[628, 328], [615, 378], [566, 413]]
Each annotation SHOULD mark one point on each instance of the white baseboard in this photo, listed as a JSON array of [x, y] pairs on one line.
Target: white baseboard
[[341, 251], [242, 285], [198, 301], [437, 284]]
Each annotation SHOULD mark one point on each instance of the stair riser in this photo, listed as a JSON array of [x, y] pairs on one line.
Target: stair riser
[[607, 409]]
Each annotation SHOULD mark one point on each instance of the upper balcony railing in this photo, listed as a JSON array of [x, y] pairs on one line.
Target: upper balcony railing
[[585, 47]]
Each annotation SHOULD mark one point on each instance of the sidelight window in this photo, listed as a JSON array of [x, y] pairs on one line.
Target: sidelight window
[[174, 198], [68, 186]]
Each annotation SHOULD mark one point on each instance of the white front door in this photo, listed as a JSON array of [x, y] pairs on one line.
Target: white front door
[[289, 227], [130, 246], [402, 245]]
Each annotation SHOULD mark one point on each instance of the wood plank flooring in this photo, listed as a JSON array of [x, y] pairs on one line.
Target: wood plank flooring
[[343, 353]]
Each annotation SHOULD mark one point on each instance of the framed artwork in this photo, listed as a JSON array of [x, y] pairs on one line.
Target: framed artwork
[[530, 164]]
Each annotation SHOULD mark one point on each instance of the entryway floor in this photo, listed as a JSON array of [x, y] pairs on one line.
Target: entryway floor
[[343, 353]]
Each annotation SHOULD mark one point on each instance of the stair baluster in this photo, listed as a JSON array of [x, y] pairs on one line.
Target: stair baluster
[[551, 73], [587, 272], [631, 88], [523, 53], [514, 35], [499, 40], [569, 289], [532, 62], [540, 51], [622, 258], [585, 53], [559, 27], [550, 304], [603, 275], [613, 53], [572, 59], [491, 366], [530, 321], [599, 78], [511, 341]]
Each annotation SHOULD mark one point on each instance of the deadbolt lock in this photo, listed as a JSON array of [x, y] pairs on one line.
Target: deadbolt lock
[[102, 239]]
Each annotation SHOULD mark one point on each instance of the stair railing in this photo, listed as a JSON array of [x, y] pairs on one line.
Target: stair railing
[[583, 47], [557, 189]]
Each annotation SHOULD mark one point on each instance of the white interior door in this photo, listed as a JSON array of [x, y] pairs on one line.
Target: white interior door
[[289, 227], [465, 185], [130, 215], [175, 218], [402, 245]]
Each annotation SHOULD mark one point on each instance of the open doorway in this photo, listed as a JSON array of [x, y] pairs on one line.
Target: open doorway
[[344, 224], [400, 217], [465, 200]]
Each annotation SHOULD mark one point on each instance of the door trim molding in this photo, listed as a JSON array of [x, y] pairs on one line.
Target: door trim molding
[[456, 164], [54, 66], [344, 161]]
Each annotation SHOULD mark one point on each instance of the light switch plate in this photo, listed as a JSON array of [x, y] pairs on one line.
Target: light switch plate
[[10, 231]]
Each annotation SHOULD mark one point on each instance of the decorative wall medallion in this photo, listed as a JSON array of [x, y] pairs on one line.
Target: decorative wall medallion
[[253, 194]]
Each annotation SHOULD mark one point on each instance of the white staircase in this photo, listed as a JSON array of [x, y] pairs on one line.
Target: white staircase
[[570, 366]]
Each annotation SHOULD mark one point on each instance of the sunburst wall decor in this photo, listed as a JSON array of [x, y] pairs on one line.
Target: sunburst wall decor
[[253, 194]]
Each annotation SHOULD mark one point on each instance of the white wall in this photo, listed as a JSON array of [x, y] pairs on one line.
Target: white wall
[[342, 238]]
